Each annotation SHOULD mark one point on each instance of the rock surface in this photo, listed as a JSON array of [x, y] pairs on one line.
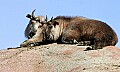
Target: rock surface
[[60, 58]]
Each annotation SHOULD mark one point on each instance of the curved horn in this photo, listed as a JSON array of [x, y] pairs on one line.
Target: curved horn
[[51, 19], [46, 19], [33, 16]]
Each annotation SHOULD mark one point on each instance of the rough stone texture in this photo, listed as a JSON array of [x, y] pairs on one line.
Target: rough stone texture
[[60, 58]]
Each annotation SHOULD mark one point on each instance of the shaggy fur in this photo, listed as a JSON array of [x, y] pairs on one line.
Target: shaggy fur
[[64, 29]]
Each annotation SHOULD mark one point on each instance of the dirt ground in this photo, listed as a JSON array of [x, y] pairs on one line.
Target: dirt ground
[[60, 58]]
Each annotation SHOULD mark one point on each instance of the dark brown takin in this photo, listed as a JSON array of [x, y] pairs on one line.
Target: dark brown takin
[[70, 30]]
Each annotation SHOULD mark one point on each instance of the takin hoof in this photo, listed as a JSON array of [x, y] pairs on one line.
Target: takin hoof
[[88, 48], [29, 45], [23, 45]]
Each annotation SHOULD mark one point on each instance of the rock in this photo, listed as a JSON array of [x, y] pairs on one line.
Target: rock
[[60, 58]]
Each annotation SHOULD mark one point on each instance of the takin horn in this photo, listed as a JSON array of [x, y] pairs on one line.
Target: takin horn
[[33, 16], [46, 19], [51, 19]]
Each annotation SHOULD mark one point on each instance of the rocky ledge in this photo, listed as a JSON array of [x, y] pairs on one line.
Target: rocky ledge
[[60, 58]]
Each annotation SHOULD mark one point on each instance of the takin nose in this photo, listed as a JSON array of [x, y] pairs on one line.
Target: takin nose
[[49, 37]]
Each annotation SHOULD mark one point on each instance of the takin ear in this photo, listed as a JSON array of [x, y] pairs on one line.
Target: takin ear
[[55, 23], [28, 16]]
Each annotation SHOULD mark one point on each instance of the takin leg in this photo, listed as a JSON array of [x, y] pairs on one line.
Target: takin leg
[[99, 41], [38, 37], [31, 42], [74, 41], [84, 43], [98, 44], [70, 41], [103, 39], [70, 36]]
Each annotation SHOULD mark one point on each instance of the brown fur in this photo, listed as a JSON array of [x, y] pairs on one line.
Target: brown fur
[[70, 29]]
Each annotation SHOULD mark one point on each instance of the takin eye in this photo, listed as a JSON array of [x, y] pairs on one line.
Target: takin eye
[[55, 23]]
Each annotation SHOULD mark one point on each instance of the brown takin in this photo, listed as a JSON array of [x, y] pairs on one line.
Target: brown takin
[[34, 30], [70, 30]]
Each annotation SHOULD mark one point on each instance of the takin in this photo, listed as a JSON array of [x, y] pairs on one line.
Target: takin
[[34, 22], [70, 30], [34, 30]]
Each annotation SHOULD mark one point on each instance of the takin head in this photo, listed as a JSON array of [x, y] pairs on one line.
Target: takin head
[[34, 23]]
